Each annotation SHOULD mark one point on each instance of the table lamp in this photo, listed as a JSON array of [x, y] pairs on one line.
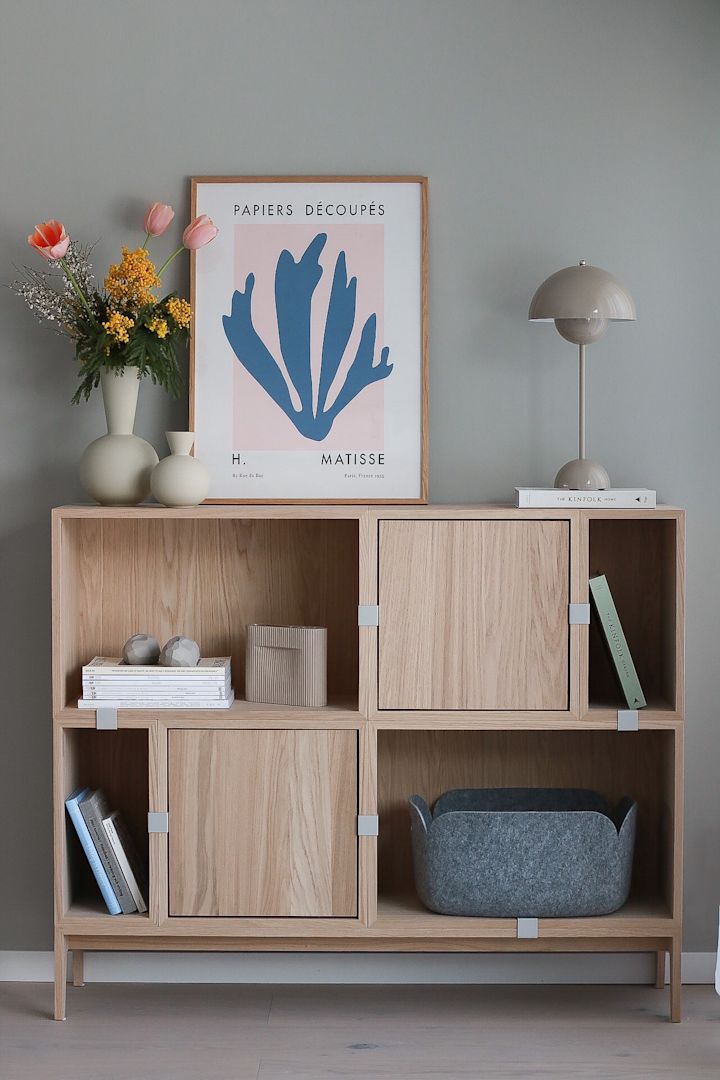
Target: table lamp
[[581, 300]]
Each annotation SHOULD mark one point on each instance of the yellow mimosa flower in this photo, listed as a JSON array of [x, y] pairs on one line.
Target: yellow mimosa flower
[[118, 325], [158, 326], [128, 283], [180, 311]]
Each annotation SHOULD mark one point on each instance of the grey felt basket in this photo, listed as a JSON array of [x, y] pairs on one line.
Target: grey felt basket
[[514, 852]]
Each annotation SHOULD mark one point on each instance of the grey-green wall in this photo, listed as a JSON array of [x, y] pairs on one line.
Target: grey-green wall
[[551, 130]]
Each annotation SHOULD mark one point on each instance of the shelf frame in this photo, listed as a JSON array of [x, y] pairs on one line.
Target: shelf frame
[[383, 924]]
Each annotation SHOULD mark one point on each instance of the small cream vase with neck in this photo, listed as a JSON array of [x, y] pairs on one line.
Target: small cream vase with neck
[[180, 480], [115, 469]]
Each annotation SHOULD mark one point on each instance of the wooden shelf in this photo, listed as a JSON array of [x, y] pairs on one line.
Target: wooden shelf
[[344, 713], [398, 918], [596, 718], [263, 800], [89, 917], [90, 911], [650, 717], [209, 512], [405, 916], [354, 510], [339, 713]]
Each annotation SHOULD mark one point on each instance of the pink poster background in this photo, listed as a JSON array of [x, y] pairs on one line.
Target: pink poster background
[[258, 423]]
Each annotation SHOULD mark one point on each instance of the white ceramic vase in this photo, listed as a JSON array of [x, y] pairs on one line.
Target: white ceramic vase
[[115, 469], [180, 480]]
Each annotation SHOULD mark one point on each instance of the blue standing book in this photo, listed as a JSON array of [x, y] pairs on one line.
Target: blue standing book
[[72, 805]]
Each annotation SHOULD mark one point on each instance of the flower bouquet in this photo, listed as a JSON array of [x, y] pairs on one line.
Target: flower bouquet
[[122, 333], [124, 324]]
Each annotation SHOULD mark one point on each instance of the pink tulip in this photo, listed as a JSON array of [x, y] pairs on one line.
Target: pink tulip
[[158, 218], [50, 240], [199, 232]]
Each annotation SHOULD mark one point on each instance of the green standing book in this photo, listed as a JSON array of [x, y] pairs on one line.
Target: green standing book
[[616, 642]]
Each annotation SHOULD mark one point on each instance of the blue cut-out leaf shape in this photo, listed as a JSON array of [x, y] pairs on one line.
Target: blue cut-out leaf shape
[[338, 328], [295, 284]]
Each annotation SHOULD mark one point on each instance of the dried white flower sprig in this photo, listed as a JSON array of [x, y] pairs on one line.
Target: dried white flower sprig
[[46, 303]]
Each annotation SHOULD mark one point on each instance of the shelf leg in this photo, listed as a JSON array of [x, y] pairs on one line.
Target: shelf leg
[[660, 970], [61, 958], [675, 981], [78, 968]]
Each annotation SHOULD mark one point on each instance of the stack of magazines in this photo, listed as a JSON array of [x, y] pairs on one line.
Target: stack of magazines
[[119, 871], [109, 683]]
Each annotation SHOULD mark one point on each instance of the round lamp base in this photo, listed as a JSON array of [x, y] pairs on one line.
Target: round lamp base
[[582, 475]]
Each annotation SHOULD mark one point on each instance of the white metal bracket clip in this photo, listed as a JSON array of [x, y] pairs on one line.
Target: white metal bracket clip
[[368, 615], [367, 825], [158, 821], [578, 614], [628, 720], [106, 719]]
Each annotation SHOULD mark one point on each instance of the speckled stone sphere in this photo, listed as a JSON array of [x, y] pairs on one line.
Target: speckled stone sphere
[[180, 652], [141, 649]]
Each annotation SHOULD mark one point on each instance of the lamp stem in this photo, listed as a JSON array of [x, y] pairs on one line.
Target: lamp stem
[[581, 404]]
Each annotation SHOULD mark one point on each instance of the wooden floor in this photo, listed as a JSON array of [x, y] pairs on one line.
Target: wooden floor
[[148, 1032]]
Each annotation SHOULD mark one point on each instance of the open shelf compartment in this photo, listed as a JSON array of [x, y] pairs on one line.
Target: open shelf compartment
[[117, 762], [207, 578], [639, 764], [639, 557]]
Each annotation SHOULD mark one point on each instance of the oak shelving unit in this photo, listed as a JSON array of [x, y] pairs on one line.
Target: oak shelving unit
[[453, 661]]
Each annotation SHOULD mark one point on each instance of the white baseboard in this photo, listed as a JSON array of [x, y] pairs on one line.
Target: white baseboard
[[439, 968]]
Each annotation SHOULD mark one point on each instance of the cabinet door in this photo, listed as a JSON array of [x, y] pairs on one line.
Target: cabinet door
[[474, 614], [263, 823]]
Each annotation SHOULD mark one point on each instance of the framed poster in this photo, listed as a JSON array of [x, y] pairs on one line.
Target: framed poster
[[308, 367]]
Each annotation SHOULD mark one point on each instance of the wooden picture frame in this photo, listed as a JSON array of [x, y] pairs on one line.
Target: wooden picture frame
[[284, 240]]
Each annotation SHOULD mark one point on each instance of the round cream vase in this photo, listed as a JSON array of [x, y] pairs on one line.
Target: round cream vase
[[180, 480]]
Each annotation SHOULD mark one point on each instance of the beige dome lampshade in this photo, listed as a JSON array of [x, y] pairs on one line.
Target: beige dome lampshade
[[581, 300]]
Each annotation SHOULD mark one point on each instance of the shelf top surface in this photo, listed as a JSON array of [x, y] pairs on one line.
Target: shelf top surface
[[348, 510], [345, 715]]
